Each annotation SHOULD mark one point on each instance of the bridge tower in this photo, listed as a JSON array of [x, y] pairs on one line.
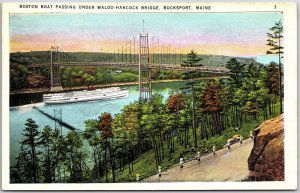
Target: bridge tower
[[54, 70], [145, 89]]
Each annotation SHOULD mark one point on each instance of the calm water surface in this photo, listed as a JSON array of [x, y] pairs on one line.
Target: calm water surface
[[74, 113]]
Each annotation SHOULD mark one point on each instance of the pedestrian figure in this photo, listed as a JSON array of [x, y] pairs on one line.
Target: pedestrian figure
[[214, 150], [251, 135], [137, 177], [241, 139], [181, 162], [228, 145], [159, 171], [198, 155]]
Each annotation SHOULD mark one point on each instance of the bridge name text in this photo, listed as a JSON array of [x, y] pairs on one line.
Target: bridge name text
[[128, 7]]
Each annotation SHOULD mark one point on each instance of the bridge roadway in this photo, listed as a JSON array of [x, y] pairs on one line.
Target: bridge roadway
[[211, 69]]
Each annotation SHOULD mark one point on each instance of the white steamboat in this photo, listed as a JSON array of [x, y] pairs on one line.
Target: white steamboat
[[85, 95]]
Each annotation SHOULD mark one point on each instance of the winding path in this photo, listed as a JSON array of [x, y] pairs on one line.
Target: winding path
[[226, 165]]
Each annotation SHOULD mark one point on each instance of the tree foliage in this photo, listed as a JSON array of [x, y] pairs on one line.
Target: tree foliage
[[275, 42], [192, 59], [161, 129], [17, 76]]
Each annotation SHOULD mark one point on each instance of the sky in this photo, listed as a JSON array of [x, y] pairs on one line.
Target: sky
[[230, 34]]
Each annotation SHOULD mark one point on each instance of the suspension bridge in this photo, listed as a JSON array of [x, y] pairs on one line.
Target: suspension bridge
[[143, 54]]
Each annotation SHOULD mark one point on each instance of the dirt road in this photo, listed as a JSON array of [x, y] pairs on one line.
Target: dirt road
[[226, 165]]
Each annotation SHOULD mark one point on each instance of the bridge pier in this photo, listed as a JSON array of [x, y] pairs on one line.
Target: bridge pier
[[55, 71], [145, 87]]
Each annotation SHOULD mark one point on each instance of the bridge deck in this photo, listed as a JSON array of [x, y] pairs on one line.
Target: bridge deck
[[212, 69]]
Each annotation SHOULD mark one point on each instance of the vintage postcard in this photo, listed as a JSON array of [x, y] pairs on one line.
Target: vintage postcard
[[149, 96]]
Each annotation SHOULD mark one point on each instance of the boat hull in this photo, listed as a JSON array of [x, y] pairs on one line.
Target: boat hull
[[80, 97]]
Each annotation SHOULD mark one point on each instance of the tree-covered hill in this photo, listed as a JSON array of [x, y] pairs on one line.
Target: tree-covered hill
[[43, 56]]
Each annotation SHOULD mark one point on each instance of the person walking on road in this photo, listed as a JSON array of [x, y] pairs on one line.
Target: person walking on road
[[159, 171], [181, 162], [251, 135], [228, 145]]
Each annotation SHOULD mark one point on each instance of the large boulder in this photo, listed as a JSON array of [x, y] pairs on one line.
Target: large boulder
[[266, 161]]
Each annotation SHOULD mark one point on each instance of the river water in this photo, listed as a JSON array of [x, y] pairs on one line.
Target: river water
[[74, 113]]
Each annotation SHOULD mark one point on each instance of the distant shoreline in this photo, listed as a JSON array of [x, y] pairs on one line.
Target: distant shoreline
[[46, 90]]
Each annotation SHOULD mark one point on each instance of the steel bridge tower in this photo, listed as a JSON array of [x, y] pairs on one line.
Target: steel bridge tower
[[54, 70], [145, 89]]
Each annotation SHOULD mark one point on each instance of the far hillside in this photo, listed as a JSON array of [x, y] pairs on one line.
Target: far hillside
[[24, 77], [44, 57]]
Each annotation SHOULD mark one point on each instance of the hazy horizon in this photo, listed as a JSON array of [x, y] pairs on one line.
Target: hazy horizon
[[228, 34]]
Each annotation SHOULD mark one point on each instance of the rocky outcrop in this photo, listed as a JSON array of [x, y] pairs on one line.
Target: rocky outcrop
[[266, 161]]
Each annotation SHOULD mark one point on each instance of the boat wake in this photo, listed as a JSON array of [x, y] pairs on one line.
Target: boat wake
[[25, 107]]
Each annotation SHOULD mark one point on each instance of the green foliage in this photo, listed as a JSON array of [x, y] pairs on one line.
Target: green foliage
[[48, 156], [17, 76], [275, 38], [272, 78], [79, 76], [192, 59], [205, 146], [146, 134], [30, 142], [238, 70], [125, 77]]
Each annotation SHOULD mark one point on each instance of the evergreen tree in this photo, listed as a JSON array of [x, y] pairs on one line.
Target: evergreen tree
[[238, 71], [45, 141], [272, 79], [192, 60], [21, 172], [275, 38], [29, 143], [273, 83]]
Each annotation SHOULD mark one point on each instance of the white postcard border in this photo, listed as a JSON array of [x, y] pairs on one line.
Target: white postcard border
[[290, 106]]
